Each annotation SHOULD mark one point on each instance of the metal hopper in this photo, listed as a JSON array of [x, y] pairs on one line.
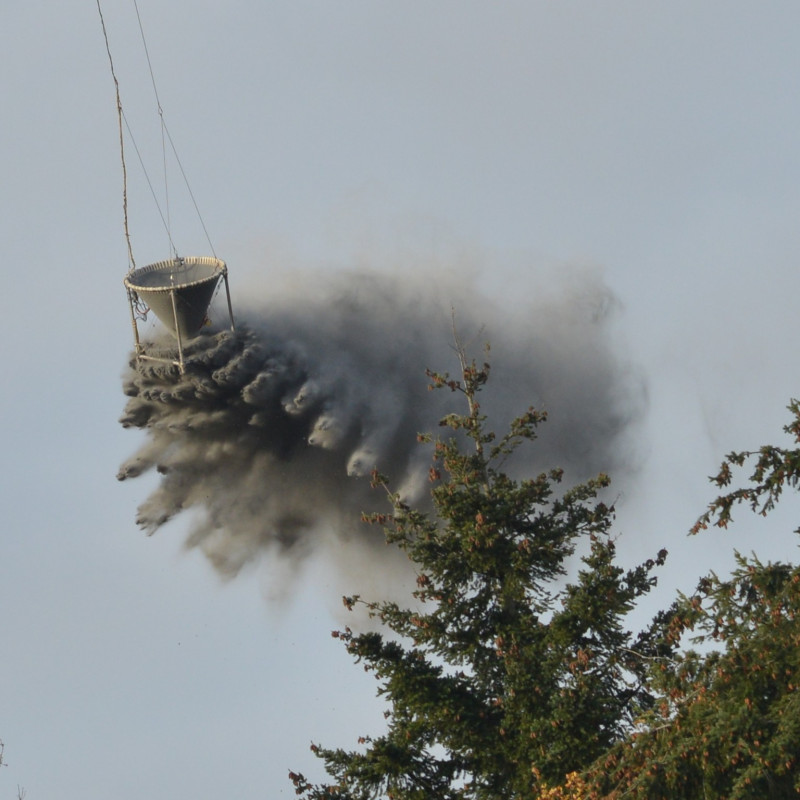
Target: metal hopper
[[179, 292]]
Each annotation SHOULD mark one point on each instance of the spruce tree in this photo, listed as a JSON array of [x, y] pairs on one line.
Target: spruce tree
[[727, 720], [514, 667]]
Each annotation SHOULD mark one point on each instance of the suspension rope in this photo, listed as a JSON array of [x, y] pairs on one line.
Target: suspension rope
[[161, 118], [131, 261], [164, 221], [147, 56], [189, 189], [165, 137], [165, 130]]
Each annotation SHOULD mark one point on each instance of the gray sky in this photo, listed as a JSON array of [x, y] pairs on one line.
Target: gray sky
[[654, 142]]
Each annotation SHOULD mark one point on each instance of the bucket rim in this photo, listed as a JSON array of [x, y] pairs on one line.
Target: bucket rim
[[134, 276]]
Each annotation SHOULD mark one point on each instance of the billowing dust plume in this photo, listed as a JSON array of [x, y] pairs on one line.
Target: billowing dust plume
[[269, 437]]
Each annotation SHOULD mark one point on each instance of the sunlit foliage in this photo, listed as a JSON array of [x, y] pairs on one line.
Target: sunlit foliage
[[514, 667], [727, 720]]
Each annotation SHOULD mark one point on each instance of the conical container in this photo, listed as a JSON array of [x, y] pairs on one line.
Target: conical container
[[178, 291]]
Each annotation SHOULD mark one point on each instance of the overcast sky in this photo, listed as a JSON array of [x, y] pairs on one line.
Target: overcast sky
[[654, 144]]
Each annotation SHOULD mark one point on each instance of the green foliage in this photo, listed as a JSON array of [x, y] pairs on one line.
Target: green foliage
[[507, 674], [727, 722], [774, 468]]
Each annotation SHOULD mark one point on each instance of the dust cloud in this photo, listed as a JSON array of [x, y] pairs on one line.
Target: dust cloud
[[266, 443]]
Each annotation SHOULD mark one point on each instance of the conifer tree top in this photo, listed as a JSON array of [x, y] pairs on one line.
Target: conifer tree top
[[511, 666]]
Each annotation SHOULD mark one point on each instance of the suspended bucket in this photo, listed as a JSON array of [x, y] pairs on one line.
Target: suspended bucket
[[179, 292]]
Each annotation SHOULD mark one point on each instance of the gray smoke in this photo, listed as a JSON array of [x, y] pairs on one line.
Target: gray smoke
[[269, 438]]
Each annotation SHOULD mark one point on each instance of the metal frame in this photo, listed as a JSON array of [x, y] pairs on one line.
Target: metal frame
[[133, 295]]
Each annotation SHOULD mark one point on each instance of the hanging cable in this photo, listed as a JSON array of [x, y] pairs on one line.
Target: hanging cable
[[191, 193], [161, 119], [131, 262], [165, 137], [164, 221], [165, 131]]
